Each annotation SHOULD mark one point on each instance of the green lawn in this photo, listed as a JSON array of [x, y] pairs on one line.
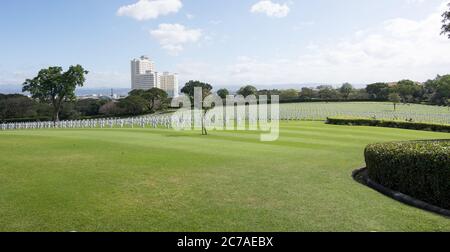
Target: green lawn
[[163, 180]]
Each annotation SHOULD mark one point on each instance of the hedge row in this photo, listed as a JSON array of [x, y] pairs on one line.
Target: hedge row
[[389, 124], [20, 120], [420, 169]]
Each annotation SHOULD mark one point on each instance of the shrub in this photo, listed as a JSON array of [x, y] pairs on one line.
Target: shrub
[[389, 124], [420, 169]]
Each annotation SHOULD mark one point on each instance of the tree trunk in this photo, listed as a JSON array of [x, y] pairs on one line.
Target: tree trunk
[[204, 131], [395, 107], [56, 109], [55, 116]]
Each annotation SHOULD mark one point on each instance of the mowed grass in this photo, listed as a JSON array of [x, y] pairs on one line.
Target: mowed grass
[[163, 180]]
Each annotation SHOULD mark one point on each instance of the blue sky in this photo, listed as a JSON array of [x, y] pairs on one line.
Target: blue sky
[[227, 42]]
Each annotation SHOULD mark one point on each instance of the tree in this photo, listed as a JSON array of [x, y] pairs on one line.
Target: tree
[[408, 90], [156, 98], [223, 93], [359, 94], [346, 90], [189, 90], [17, 106], [110, 109], [446, 23], [395, 99], [328, 93], [379, 91], [248, 90], [269, 93], [442, 90], [54, 86], [89, 107], [288, 94], [307, 93], [132, 105]]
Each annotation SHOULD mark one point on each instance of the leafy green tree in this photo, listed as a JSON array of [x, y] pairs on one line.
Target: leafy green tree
[[269, 93], [346, 89], [442, 90], [132, 105], [54, 86], [443, 86], [395, 99], [156, 98], [89, 107], [17, 106], [223, 93], [189, 90], [69, 112], [308, 93], [110, 108], [328, 93], [289, 94], [359, 94], [379, 91], [446, 23], [408, 90], [248, 90]]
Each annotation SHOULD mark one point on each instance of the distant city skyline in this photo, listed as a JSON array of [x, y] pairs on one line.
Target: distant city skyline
[[270, 43]]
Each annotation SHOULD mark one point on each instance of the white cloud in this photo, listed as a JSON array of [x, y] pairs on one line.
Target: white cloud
[[150, 9], [393, 50], [173, 37], [271, 9]]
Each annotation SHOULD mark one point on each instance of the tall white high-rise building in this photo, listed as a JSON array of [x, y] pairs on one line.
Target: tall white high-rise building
[[143, 75], [169, 83]]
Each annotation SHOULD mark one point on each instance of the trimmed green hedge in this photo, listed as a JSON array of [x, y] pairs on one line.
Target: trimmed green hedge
[[389, 124], [420, 169]]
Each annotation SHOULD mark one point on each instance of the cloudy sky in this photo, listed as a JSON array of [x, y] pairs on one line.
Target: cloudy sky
[[227, 42]]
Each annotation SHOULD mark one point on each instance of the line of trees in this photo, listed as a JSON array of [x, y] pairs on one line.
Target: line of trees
[[53, 96], [433, 92], [18, 107]]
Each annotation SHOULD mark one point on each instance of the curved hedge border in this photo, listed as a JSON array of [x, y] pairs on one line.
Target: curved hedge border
[[420, 169], [389, 124], [361, 176]]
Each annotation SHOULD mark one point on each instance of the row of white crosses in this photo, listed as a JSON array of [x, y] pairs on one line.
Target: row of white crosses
[[131, 122], [305, 114]]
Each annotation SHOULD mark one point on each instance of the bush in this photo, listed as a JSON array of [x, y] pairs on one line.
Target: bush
[[420, 169], [30, 119], [389, 124]]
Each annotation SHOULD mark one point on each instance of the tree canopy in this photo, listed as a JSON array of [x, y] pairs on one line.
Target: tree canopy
[[189, 89], [379, 90], [155, 98], [346, 90], [446, 23], [395, 99], [248, 90], [54, 86], [223, 93]]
